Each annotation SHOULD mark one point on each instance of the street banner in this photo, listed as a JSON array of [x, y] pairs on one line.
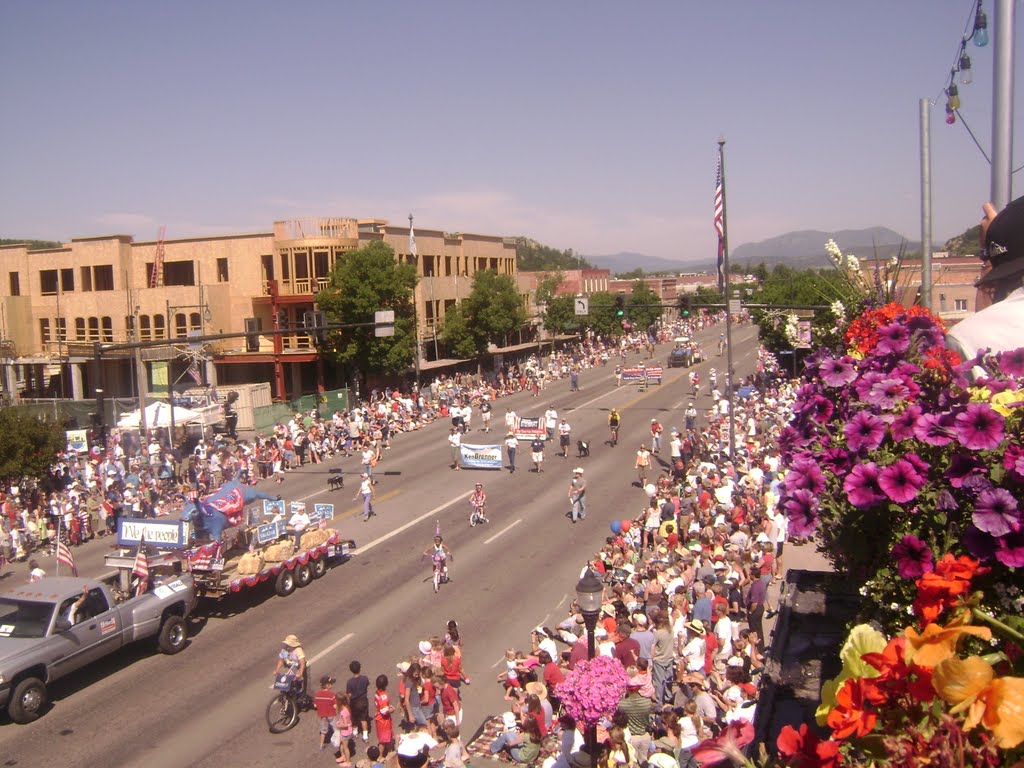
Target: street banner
[[162, 534], [78, 441], [529, 427], [635, 375], [480, 456]]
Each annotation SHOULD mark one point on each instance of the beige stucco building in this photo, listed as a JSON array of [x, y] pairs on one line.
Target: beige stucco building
[[56, 304]]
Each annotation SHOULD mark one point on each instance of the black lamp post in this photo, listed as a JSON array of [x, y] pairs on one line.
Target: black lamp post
[[589, 591]]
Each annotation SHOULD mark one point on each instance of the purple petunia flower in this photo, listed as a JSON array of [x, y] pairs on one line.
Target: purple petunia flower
[[837, 461], [1011, 549], [861, 485], [996, 512], [961, 467], [902, 427], [979, 544], [979, 428], [1013, 459], [900, 481], [1011, 362], [976, 484], [913, 558], [819, 409], [802, 511], [887, 393], [893, 339], [805, 474], [864, 431], [837, 372], [946, 502], [935, 429]]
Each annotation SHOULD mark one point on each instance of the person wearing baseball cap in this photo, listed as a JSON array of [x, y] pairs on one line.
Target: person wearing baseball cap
[[577, 496], [998, 323]]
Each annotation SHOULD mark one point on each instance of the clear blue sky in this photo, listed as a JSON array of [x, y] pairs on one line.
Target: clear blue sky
[[586, 125]]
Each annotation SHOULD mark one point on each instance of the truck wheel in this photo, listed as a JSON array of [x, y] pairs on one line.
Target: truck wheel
[[318, 567], [285, 583], [303, 576], [173, 635], [27, 700]]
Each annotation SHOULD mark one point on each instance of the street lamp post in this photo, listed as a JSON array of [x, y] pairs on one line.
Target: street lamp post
[[205, 318], [589, 592]]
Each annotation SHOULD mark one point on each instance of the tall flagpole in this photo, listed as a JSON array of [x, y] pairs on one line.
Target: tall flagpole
[[728, 313], [415, 303]]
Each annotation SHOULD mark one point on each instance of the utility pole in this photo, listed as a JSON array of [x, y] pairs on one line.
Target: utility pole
[[1002, 104], [926, 207]]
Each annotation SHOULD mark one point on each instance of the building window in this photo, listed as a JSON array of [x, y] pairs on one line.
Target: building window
[[222, 270], [86, 278], [179, 273], [180, 325], [62, 329], [195, 323], [94, 329], [961, 305], [79, 329], [447, 266], [15, 281], [44, 331], [942, 302], [145, 332], [107, 327], [67, 280], [268, 267], [159, 329], [103, 277], [48, 282]]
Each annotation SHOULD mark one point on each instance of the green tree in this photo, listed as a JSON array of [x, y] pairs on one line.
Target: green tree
[[456, 335], [560, 315], [639, 307], [602, 319], [30, 444], [531, 256], [363, 282], [493, 309], [633, 274], [548, 287]]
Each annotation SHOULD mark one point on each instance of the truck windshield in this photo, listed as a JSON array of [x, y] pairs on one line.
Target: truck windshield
[[22, 618]]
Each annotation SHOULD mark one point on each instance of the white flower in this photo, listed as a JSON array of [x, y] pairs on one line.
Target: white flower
[[910, 610], [894, 606], [838, 309], [853, 263]]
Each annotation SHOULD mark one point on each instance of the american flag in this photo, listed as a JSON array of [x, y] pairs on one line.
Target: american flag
[[141, 568], [194, 373], [720, 225], [64, 556], [412, 238]]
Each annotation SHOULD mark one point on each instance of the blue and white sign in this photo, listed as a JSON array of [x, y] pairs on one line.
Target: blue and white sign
[[275, 507], [322, 512], [297, 506], [481, 456], [269, 532], [162, 534]]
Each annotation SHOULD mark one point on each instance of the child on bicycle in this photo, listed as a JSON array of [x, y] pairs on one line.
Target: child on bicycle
[[478, 503], [439, 555]]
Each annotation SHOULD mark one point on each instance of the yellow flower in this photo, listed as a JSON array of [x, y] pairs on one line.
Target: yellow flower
[[1003, 402], [937, 643], [1004, 711], [960, 681], [997, 703]]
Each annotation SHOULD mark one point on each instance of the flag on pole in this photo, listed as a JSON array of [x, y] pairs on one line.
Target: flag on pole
[[412, 238], [720, 225], [141, 568], [194, 373], [64, 556]]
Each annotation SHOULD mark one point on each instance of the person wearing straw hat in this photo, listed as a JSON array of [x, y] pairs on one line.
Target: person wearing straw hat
[[291, 660]]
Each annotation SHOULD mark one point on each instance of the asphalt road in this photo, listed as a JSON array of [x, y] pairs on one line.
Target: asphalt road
[[205, 706]]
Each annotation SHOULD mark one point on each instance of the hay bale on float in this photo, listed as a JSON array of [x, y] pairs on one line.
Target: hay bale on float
[[250, 563], [315, 538], [279, 551]]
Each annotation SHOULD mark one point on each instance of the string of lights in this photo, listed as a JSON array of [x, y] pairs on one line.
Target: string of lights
[[976, 30]]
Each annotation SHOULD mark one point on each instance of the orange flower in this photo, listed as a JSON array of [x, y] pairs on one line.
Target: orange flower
[[896, 677], [849, 717], [937, 643], [941, 588], [997, 703]]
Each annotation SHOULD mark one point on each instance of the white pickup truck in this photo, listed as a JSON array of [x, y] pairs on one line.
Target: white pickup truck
[[52, 627]]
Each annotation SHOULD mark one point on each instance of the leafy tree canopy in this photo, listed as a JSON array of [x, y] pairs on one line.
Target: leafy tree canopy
[[33, 245], [493, 309], [456, 336], [548, 287], [363, 282], [643, 306], [560, 315], [531, 256], [633, 274], [30, 444], [602, 319]]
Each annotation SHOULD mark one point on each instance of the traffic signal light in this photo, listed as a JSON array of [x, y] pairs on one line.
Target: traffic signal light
[[684, 306], [620, 305]]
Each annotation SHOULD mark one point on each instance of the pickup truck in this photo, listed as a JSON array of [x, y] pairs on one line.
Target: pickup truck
[[52, 627]]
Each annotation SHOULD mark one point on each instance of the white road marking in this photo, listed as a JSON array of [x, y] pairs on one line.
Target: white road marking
[[593, 399], [367, 547], [508, 527], [561, 601], [330, 648]]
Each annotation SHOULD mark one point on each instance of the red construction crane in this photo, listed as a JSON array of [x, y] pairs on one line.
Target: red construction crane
[[156, 277]]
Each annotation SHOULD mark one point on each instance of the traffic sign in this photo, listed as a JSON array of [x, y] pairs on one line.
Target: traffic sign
[[582, 306], [735, 306], [384, 316]]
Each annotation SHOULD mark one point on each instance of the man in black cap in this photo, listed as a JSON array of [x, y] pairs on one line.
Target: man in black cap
[[999, 322]]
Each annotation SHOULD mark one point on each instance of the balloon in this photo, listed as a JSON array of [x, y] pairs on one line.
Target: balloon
[[616, 526], [626, 525], [651, 490]]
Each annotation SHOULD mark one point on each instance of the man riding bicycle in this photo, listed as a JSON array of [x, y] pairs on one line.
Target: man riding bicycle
[[478, 503], [613, 425], [291, 661]]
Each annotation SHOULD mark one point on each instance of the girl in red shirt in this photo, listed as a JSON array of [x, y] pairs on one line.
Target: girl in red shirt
[[382, 720]]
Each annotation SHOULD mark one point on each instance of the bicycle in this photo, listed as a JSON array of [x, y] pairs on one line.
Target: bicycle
[[290, 698], [477, 514], [440, 574]]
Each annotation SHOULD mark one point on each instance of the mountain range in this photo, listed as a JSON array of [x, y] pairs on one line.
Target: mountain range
[[802, 250]]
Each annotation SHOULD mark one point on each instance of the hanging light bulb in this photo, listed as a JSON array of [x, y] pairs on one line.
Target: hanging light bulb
[[980, 28], [954, 97], [966, 76], [950, 117]]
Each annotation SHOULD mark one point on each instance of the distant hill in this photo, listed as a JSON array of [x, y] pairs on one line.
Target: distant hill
[[532, 256], [806, 248], [33, 245], [627, 262]]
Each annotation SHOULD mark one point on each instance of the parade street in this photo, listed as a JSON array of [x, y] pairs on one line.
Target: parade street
[[205, 706]]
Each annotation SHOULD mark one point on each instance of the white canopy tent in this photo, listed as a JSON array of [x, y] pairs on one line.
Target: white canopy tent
[[159, 415]]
